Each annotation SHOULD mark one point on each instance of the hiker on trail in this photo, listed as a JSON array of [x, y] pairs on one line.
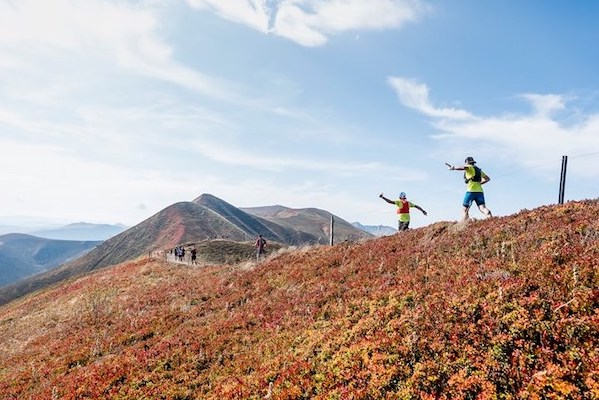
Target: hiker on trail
[[260, 246], [194, 254], [403, 210], [475, 178], [179, 253]]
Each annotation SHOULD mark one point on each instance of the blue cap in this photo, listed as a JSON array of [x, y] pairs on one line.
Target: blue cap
[[402, 195]]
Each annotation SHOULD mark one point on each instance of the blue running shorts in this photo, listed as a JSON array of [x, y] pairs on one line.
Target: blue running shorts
[[477, 197]]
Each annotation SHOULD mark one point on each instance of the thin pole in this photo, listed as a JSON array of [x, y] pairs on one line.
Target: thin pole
[[332, 234], [562, 181]]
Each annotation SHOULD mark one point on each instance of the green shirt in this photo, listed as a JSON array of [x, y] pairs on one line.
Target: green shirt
[[403, 217], [472, 186]]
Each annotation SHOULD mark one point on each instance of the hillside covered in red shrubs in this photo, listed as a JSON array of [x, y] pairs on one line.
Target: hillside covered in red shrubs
[[505, 308]]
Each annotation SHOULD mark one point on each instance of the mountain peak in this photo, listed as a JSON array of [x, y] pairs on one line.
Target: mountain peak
[[205, 198]]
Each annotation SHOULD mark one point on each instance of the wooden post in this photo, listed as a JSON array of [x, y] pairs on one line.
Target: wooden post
[[332, 233], [562, 181]]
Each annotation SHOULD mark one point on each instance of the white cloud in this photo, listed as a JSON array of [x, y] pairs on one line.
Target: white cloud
[[531, 139], [345, 15], [253, 13], [293, 23], [97, 191], [311, 22], [526, 139], [31, 170], [79, 25], [34, 32], [415, 95], [545, 105], [230, 155]]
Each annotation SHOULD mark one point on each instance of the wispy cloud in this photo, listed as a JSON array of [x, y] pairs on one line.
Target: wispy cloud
[[103, 191], [545, 105], [526, 139], [416, 95], [311, 22], [253, 13], [118, 34], [231, 155], [88, 76]]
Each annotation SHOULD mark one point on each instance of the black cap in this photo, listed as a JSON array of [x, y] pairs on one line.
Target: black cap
[[469, 160]]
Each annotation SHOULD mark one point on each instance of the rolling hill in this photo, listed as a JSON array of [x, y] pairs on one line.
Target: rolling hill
[[309, 220], [25, 255], [205, 218], [504, 308]]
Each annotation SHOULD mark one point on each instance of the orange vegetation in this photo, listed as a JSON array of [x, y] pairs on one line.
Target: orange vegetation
[[504, 308]]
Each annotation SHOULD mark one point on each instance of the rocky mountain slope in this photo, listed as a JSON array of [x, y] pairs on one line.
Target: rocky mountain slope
[[500, 308]]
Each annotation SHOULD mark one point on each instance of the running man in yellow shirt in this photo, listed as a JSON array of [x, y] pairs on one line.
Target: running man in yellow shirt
[[403, 210], [474, 178]]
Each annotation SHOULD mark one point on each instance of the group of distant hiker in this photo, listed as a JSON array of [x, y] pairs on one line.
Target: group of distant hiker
[[179, 254], [474, 178]]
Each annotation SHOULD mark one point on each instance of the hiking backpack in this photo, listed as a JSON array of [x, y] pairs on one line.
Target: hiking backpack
[[477, 175]]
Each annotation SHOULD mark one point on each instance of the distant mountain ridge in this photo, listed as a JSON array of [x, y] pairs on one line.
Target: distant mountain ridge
[[206, 217], [25, 255], [81, 231], [313, 221], [26, 224], [376, 230]]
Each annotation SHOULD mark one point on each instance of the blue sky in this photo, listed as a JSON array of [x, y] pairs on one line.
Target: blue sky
[[113, 110]]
